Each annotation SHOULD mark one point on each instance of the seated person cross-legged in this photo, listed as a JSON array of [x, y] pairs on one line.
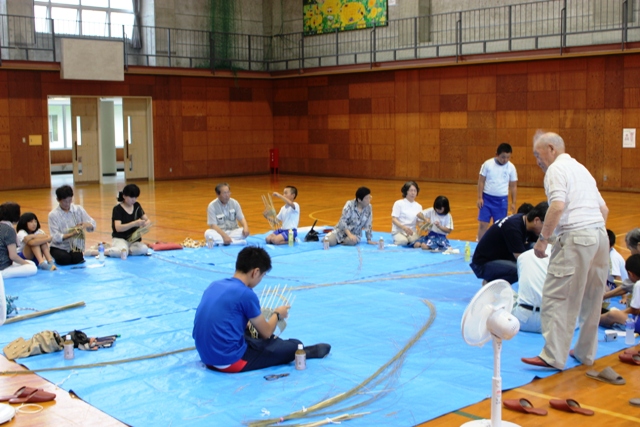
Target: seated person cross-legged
[[532, 272], [223, 216], [357, 215], [127, 217], [220, 327], [615, 316]]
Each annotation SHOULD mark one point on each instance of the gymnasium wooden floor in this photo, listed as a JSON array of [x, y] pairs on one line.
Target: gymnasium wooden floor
[[178, 210]]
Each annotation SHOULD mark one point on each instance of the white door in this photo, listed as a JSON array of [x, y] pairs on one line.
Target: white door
[[135, 118], [84, 134]]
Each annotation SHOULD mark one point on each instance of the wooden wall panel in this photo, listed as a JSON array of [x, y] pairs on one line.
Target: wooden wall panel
[[435, 123]]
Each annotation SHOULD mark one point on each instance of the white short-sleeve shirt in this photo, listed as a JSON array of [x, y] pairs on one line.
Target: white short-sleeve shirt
[[405, 211], [498, 177], [289, 216], [433, 216]]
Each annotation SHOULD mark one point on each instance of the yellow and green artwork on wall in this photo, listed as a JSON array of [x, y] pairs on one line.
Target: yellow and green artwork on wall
[[328, 16]]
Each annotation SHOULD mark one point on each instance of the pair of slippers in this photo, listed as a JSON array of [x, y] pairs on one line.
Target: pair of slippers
[[566, 405], [29, 395]]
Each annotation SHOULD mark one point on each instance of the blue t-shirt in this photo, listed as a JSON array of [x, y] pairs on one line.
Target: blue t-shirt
[[221, 319]]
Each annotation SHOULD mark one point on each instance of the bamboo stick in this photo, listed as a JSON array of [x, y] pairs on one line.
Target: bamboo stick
[[44, 312]]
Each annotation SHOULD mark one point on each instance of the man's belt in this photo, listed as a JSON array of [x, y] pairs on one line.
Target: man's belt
[[529, 307]]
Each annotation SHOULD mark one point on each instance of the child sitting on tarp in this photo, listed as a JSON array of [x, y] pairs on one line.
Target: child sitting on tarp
[[289, 217]]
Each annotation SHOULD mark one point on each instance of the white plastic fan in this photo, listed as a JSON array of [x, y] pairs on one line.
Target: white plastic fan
[[6, 413], [489, 315]]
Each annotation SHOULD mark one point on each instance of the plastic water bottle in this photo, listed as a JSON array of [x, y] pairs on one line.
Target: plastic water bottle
[[68, 348], [325, 242], [100, 251], [301, 358], [290, 237], [630, 329], [467, 252], [123, 254], [210, 243], [381, 243]]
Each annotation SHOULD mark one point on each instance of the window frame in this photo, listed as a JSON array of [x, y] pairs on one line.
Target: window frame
[[79, 8]]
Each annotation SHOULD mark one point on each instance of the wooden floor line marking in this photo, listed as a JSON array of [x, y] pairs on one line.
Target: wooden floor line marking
[[468, 415], [593, 408]]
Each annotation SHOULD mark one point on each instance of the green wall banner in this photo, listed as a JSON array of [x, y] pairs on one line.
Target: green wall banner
[[328, 16]]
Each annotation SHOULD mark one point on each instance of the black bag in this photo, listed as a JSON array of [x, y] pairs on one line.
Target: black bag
[[312, 235]]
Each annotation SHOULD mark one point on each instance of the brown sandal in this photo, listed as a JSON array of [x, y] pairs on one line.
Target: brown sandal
[[20, 393]]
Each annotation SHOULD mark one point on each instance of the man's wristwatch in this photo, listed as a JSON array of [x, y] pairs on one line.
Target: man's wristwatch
[[542, 238], [277, 315]]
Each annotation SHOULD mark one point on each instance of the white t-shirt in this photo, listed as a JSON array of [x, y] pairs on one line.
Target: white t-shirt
[[21, 235], [498, 177], [532, 272], [635, 298], [289, 216], [433, 216], [617, 265], [405, 211]]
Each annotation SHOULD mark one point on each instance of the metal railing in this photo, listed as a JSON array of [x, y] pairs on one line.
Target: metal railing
[[547, 24]]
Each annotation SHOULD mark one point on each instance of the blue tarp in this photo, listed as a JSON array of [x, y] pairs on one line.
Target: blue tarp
[[367, 303]]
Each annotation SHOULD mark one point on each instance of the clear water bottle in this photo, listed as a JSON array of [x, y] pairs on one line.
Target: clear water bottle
[[381, 243], [210, 243], [301, 358], [467, 252], [630, 329], [68, 348], [290, 237], [101, 251], [123, 254], [325, 242]]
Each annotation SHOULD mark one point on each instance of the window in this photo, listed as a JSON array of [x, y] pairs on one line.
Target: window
[[95, 18]]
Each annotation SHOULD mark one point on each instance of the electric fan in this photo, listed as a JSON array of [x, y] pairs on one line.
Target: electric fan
[[6, 413], [489, 315]]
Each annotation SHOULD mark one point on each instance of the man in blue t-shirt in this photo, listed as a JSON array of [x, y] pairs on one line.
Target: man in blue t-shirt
[[496, 254], [220, 325]]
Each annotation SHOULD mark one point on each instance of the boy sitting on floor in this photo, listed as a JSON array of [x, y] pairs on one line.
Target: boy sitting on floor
[[289, 216], [620, 316], [220, 325]]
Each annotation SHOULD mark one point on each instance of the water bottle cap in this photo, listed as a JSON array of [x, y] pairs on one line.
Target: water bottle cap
[[300, 347], [68, 337]]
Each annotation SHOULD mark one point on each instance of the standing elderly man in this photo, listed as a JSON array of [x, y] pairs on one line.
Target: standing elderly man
[[223, 216], [579, 261]]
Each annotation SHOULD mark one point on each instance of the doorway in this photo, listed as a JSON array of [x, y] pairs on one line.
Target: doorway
[[100, 140]]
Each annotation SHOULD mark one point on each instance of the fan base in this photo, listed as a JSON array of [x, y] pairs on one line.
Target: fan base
[[487, 423]]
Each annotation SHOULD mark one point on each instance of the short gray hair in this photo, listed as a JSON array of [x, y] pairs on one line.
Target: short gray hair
[[550, 138], [633, 237]]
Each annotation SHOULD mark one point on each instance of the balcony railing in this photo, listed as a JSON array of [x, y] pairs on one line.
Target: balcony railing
[[555, 24]]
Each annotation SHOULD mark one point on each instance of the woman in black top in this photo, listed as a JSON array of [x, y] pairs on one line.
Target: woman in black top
[[127, 217]]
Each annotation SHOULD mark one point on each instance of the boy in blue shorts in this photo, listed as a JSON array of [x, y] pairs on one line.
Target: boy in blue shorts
[[289, 216], [498, 177]]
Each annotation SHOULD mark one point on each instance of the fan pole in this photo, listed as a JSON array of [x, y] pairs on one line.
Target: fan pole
[[496, 390]]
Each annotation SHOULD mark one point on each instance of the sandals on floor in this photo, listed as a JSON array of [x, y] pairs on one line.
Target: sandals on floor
[[630, 358], [523, 405], [569, 405], [607, 375], [20, 393], [38, 396]]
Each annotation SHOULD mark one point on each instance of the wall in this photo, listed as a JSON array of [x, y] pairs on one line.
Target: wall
[[202, 126], [441, 123], [427, 124]]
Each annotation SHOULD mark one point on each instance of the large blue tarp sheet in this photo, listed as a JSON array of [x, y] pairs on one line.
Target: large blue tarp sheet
[[367, 303]]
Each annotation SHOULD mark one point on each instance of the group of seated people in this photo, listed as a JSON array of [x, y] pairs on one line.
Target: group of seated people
[[504, 253], [27, 248], [411, 225]]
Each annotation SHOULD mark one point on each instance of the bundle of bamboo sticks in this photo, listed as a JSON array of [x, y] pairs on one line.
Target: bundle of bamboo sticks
[[270, 212]]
